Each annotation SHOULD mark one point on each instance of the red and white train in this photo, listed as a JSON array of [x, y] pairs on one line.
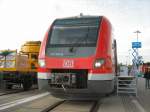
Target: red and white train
[[78, 58]]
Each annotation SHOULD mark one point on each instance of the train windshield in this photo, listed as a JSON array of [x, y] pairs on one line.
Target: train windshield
[[74, 32]]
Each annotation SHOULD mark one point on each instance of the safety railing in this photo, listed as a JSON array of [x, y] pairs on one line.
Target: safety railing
[[127, 85]]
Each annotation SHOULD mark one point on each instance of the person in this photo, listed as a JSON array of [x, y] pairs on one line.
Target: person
[[147, 78]]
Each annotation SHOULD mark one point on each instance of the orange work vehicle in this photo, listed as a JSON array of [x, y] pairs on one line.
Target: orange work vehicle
[[19, 68]]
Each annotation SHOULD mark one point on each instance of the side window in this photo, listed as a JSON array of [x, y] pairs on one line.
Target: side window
[[34, 56]]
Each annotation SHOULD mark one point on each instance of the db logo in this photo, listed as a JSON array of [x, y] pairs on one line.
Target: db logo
[[68, 63]]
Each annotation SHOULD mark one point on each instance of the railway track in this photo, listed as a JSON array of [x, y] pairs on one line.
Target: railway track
[[50, 108], [73, 106], [8, 92], [95, 106]]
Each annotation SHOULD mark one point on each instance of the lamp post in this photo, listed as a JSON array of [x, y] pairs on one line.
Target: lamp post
[[135, 46], [126, 60], [137, 36], [137, 32], [129, 51]]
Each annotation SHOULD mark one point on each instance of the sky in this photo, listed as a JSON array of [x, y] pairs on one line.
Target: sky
[[24, 20]]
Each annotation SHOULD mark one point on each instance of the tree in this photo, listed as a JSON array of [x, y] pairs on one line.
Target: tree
[[5, 53]]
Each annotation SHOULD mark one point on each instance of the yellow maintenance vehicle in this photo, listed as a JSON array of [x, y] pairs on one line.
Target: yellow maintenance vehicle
[[19, 68]]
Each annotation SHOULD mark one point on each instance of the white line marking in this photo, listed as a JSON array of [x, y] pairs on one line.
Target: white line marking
[[21, 101], [139, 106]]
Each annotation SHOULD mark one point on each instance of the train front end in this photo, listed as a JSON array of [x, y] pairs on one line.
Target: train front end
[[76, 58]]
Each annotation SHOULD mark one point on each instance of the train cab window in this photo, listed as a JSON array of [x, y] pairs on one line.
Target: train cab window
[[75, 32]]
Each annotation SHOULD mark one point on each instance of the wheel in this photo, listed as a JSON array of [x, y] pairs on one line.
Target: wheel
[[9, 86], [27, 82]]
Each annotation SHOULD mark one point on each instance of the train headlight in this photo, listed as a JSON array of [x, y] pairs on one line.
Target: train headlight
[[98, 63], [41, 62]]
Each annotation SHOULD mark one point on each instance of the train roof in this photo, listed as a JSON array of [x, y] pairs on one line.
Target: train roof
[[93, 20], [80, 16]]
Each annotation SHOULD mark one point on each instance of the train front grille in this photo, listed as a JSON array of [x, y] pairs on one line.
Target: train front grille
[[68, 78]]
